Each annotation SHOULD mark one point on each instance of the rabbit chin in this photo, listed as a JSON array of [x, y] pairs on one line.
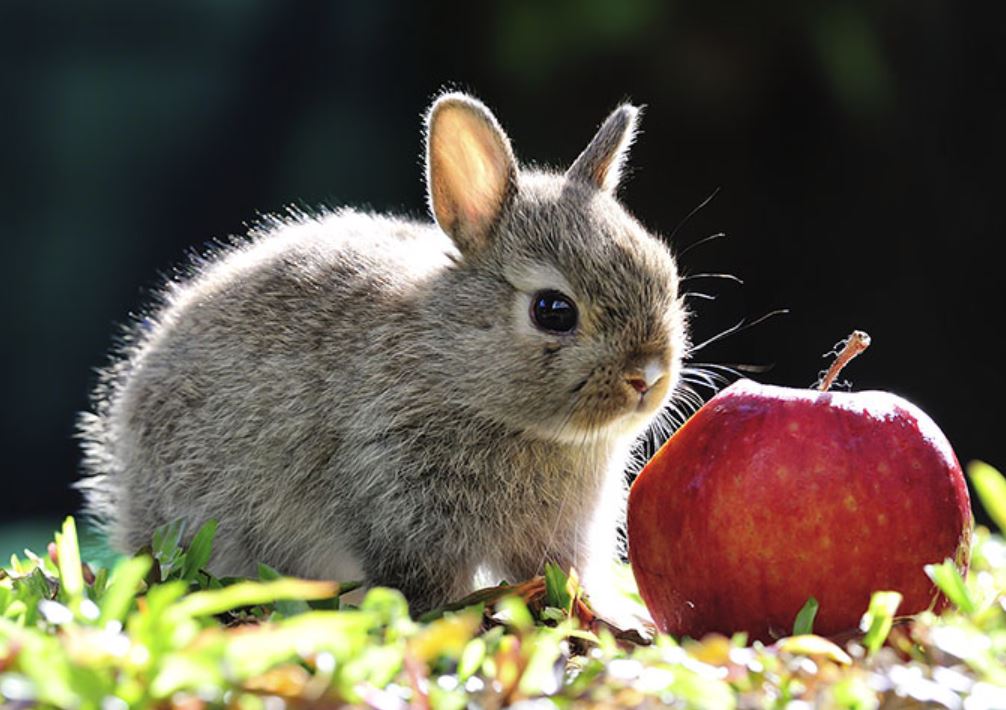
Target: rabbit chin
[[624, 424]]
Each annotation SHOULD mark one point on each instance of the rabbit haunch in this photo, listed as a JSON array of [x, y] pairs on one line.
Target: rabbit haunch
[[359, 396]]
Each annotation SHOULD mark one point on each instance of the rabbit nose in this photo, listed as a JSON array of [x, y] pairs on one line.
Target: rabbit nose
[[638, 384], [643, 379]]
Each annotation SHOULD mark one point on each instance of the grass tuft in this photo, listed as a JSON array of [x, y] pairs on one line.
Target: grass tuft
[[159, 630]]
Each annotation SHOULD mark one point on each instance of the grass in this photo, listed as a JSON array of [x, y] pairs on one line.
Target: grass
[[157, 630]]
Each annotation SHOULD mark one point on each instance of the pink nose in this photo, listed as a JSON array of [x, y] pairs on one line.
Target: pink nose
[[638, 384]]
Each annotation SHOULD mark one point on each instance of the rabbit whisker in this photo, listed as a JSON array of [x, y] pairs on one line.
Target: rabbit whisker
[[738, 327], [695, 210]]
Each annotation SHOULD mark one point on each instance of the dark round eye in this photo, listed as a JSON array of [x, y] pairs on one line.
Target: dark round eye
[[553, 311]]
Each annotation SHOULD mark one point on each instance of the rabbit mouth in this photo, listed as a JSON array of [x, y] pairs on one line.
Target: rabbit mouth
[[650, 400]]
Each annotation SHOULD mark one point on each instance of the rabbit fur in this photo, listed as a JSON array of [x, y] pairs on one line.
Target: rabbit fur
[[358, 396]]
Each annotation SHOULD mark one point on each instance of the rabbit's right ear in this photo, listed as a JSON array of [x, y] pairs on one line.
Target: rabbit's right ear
[[471, 173], [600, 164]]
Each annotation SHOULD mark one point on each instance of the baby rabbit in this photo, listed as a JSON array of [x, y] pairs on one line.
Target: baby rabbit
[[358, 396]]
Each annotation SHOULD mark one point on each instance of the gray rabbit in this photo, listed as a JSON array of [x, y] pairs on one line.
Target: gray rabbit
[[357, 396]]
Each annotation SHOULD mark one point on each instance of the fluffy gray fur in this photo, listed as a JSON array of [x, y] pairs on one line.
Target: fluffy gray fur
[[355, 395]]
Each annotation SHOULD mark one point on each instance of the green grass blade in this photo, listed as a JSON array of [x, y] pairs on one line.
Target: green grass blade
[[879, 618], [122, 586], [167, 549], [513, 611], [217, 601], [990, 486], [949, 580], [284, 607], [804, 623], [70, 573], [198, 554], [557, 588], [471, 658], [167, 539], [344, 634]]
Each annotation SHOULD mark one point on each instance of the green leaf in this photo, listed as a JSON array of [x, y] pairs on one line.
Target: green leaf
[[70, 573], [812, 645], [286, 607], [167, 550], [122, 587], [471, 658], [388, 605], [6, 597], [198, 553], [217, 601], [879, 618], [990, 486], [550, 613], [100, 583], [556, 588], [344, 634], [36, 587], [949, 580], [513, 611], [539, 676], [167, 538], [804, 623], [192, 671], [854, 692]]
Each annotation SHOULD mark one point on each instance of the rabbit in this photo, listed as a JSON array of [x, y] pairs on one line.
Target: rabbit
[[361, 396]]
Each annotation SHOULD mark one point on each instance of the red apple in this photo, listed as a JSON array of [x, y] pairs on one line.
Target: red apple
[[768, 496]]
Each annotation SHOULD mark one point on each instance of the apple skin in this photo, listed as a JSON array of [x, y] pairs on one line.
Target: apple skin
[[770, 495]]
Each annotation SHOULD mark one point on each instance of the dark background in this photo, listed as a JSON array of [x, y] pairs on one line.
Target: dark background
[[858, 147]]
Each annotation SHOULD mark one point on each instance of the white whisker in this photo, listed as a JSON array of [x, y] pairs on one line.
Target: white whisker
[[740, 326]]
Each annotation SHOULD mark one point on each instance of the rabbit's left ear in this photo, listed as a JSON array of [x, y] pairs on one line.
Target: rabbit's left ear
[[600, 164]]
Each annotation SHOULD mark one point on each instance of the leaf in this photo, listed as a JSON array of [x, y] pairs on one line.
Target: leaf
[[879, 618], [217, 601], [388, 605], [122, 586], [556, 588], [192, 671], [446, 637], [471, 658], [541, 674], [167, 538], [70, 573], [990, 486], [804, 623], [513, 611], [100, 583], [949, 580], [166, 548], [550, 613], [37, 587], [286, 607], [344, 634], [198, 553], [812, 645]]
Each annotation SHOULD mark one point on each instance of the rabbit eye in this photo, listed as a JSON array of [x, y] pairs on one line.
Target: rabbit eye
[[554, 312]]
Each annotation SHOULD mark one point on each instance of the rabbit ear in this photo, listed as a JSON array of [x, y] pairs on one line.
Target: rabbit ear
[[471, 173], [600, 164]]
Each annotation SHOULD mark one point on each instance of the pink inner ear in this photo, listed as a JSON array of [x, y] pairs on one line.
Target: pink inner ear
[[473, 167], [606, 174]]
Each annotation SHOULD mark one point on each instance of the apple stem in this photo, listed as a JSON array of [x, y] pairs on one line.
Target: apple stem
[[857, 342]]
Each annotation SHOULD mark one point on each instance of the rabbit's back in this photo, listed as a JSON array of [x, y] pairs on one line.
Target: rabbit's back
[[238, 392]]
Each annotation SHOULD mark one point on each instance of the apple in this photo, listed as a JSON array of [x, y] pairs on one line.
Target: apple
[[769, 495]]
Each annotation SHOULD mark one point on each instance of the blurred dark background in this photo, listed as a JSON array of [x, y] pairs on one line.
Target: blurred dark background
[[857, 147]]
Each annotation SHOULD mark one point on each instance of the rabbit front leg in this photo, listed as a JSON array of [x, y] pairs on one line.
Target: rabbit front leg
[[524, 554], [429, 573]]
